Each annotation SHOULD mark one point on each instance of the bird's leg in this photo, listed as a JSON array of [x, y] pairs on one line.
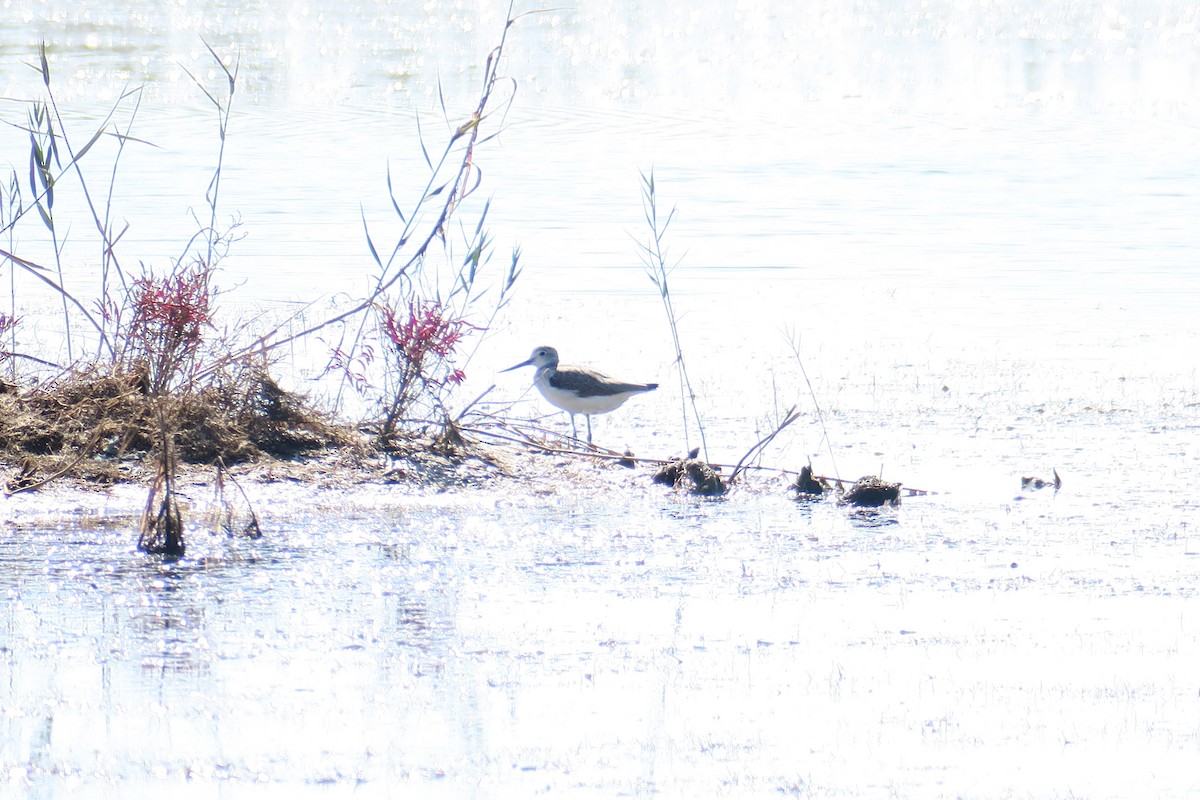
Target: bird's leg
[[574, 433], [589, 421]]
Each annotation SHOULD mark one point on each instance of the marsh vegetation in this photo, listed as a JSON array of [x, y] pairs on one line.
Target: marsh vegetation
[[157, 377]]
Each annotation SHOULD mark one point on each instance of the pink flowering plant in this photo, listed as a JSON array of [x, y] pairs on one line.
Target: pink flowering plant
[[421, 339], [169, 316]]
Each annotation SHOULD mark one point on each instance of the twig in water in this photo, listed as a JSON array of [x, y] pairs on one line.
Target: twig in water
[[223, 516], [161, 530], [791, 417]]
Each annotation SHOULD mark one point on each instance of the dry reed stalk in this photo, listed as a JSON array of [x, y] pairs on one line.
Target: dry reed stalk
[[654, 258], [161, 529]]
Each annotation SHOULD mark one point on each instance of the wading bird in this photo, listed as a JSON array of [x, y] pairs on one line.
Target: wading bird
[[578, 390]]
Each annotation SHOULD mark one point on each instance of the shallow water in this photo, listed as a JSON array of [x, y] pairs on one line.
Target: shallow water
[[549, 642], [979, 225]]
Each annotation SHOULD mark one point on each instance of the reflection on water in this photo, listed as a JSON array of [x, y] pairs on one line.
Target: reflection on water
[[125, 663], [978, 222]]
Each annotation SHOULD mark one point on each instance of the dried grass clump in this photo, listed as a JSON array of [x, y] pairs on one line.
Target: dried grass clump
[[250, 418], [97, 425], [59, 427]]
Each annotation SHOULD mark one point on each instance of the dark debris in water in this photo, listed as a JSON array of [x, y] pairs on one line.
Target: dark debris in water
[[1038, 483], [872, 492], [691, 474], [808, 486]]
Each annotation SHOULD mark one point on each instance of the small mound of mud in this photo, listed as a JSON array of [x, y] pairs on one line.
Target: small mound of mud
[[872, 492], [693, 475]]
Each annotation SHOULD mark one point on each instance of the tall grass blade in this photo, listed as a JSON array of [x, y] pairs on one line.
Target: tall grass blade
[[370, 243], [421, 140], [45, 64], [392, 195], [83, 150], [654, 258]]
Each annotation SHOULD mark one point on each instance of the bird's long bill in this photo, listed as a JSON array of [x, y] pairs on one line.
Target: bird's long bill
[[524, 363]]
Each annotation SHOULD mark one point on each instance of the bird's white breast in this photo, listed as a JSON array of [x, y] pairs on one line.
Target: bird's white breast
[[569, 401]]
